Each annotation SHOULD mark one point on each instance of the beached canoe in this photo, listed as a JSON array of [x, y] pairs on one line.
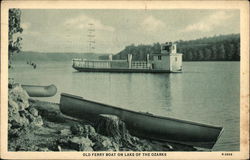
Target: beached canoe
[[144, 124], [40, 91]]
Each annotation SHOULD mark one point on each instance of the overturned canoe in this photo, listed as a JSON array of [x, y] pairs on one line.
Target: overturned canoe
[[40, 91], [144, 124]]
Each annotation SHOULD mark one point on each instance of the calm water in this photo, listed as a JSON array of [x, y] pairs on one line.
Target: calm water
[[206, 92]]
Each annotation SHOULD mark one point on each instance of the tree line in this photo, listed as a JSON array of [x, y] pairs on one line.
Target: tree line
[[216, 48], [139, 52]]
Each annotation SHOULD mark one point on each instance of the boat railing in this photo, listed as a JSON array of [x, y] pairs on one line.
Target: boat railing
[[82, 63], [92, 64], [141, 65]]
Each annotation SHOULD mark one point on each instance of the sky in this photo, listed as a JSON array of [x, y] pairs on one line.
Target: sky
[[66, 30]]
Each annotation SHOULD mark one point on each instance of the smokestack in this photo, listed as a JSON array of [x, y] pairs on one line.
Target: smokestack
[[110, 57], [129, 61], [148, 64]]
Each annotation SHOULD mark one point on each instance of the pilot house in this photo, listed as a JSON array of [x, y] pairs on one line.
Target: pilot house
[[168, 59]]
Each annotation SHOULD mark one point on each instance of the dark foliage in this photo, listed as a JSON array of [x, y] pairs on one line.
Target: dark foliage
[[139, 52], [216, 48], [14, 28]]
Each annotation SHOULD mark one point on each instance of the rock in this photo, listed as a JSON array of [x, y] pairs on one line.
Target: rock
[[30, 117], [33, 111], [44, 149], [17, 103], [18, 121], [77, 129], [62, 142], [10, 82], [75, 143], [89, 130], [38, 121], [80, 144], [59, 148], [13, 133], [170, 147], [65, 132], [21, 118], [35, 121], [103, 143], [9, 126], [84, 130], [27, 148], [135, 139], [20, 96], [12, 107], [50, 115]]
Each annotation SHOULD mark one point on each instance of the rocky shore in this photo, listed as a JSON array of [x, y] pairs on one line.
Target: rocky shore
[[35, 125]]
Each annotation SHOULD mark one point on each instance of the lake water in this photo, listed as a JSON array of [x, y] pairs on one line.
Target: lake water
[[206, 92]]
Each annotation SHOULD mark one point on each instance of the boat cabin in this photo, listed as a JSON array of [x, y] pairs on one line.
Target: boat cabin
[[168, 59]]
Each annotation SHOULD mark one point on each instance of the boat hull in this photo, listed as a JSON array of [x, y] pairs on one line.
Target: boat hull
[[120, 70], [144, 124], [40, 91]]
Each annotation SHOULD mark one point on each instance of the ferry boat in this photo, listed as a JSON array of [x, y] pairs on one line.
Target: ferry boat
[[168, 61]]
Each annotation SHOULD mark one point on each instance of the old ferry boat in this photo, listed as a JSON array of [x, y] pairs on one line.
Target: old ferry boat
[[167, 61]]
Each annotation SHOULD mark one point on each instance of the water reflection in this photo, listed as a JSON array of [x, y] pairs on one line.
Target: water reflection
[[140, 92]]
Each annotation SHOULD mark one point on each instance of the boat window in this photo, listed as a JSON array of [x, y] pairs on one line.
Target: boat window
[[159, 57], [166, 48]]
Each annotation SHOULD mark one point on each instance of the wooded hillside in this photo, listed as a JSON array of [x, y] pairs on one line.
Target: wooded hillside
[[216, 48]]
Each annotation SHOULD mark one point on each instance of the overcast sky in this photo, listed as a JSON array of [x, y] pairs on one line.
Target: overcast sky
[[66, 30]]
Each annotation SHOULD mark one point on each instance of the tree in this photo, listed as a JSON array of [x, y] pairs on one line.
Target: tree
[[208, 54], [156, 48], [14, 28], [195, 55], [222, 53], [214, 53], [200, 55], [189, 56], [230, 50], [236, 56]]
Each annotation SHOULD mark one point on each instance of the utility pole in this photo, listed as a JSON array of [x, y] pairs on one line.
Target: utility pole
[[91, 38]]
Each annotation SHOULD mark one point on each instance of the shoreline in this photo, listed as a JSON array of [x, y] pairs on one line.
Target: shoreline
[[50, 130]]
